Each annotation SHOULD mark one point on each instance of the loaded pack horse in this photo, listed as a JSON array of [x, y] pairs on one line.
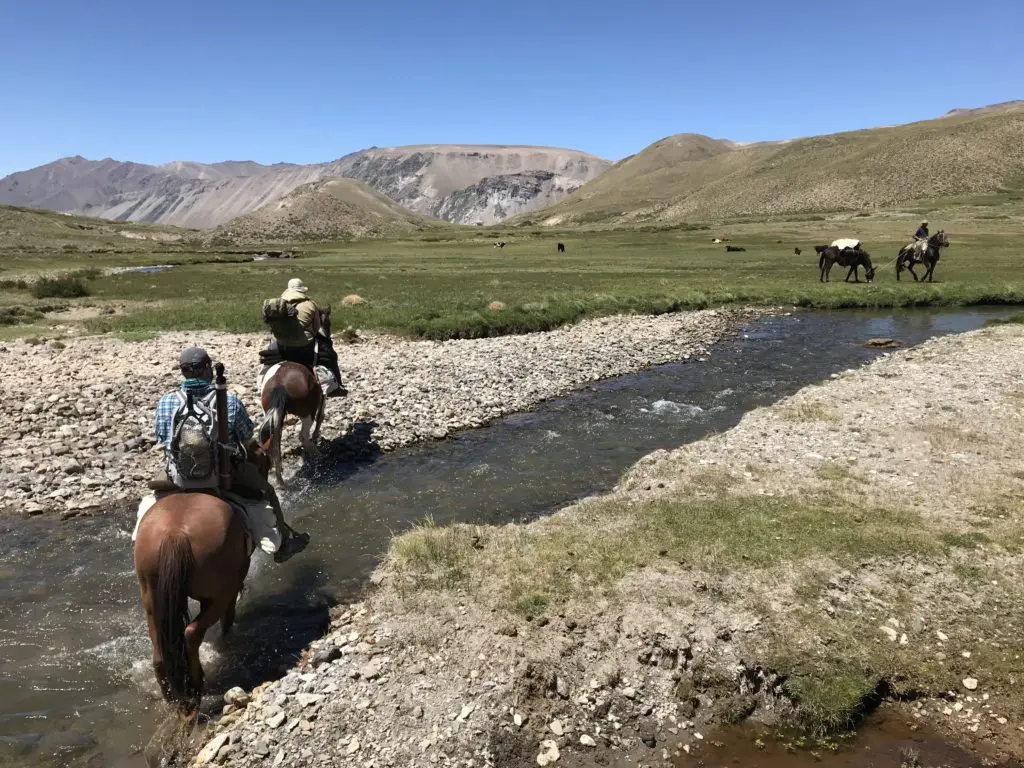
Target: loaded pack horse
[[854, 258], [927, 254], [290, 388]]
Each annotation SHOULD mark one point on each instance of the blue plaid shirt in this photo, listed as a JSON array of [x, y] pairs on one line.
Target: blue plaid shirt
[[239, 424]]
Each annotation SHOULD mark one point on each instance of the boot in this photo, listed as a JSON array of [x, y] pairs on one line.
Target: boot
[[292, 544]]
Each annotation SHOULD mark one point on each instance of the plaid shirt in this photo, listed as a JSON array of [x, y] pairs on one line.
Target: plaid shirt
[[239, 424]]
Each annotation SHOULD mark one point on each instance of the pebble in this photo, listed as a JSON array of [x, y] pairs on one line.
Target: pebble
[[548, 753], [237, 697], [587, 741], [556, 727], [970, 683]]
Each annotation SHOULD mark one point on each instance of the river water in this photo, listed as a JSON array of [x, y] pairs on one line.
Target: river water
[[75, 681]]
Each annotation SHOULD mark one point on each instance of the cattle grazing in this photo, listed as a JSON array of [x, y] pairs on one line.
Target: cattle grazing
[[561, 247], [500, 244], [845, 257], [796, 251], [734, 248]]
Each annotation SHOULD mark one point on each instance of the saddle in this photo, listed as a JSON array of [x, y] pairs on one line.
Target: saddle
[[256, 514]]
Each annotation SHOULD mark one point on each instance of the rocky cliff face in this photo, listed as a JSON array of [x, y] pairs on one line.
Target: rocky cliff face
[[442, 181], [496, 198]]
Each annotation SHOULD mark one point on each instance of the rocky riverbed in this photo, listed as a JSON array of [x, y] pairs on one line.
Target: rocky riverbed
[[76, 434], [439, 667]]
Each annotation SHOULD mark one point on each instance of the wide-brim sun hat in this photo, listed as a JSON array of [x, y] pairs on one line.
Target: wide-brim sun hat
[[295, 284]]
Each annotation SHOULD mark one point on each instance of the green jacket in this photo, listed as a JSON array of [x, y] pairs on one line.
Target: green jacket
[[308, 320]]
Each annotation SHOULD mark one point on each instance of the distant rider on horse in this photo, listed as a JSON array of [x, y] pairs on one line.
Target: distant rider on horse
[[301, 341], [246, 479]]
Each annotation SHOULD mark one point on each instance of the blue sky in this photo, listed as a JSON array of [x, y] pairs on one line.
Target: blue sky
[[303, 81]]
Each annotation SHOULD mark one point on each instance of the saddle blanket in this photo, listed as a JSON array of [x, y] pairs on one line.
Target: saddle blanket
[[846, 242], [917, 248], [323, 375], [261, 526]]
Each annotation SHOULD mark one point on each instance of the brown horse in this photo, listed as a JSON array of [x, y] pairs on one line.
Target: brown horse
[[845, 257], [292, 389], [188, 545]]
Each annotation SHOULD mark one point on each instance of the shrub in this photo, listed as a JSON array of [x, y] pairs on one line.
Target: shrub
[[16, 315], [64, 287]]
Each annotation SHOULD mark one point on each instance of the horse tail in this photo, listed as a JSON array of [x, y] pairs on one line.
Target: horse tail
[[175, 563], [275, 413]]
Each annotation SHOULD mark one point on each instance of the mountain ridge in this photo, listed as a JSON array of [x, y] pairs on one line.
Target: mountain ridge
[[203, 195]]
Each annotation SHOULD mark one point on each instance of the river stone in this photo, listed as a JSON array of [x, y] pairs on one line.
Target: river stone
[[209, 752], [548, 753], [237, 697], [970, 683], [71, 467]]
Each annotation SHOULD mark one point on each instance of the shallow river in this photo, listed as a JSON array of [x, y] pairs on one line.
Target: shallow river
[[75, 681]]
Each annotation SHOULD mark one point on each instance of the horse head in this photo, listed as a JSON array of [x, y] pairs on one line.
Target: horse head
[[939, 240]]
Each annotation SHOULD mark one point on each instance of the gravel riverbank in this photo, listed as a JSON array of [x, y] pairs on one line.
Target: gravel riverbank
[[906, 475], [76, 432]]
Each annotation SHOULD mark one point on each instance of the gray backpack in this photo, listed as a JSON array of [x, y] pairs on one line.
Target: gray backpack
[[193, 457]]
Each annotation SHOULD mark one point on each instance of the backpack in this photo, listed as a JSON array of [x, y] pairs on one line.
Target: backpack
[[282, 317], [193, 457]]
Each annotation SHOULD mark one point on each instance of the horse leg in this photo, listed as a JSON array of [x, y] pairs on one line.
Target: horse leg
[[308, 448], [320, 410], [210, 612]]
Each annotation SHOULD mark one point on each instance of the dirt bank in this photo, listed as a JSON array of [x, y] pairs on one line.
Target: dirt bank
[[857, 542], [76, 433]]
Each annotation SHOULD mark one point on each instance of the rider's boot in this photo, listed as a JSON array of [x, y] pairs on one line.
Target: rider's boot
[[292, 542], [341, 391]]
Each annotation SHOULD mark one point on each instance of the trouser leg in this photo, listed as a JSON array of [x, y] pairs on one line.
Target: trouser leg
[[247, 476]]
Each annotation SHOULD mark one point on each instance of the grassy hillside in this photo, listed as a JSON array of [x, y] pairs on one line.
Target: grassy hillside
[[689, 178], [34, 230], [326, 210]]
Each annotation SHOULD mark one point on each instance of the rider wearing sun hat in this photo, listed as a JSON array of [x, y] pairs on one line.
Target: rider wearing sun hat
[[922, 231], [302, 342]]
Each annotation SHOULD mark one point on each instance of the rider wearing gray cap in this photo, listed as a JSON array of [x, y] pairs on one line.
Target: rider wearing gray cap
[[246, 479]]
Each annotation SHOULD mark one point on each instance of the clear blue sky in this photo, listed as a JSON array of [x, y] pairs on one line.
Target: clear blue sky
[[302, 81]]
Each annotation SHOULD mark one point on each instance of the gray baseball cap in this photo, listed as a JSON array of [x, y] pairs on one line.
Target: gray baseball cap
[[193, 357]]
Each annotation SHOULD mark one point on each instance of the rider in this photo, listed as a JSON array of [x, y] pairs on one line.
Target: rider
[[922, 232], [246, 478], [304, 343]]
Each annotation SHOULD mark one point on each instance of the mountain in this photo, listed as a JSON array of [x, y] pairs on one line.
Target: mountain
[[421, 178], [325, 210], [690, 177]]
